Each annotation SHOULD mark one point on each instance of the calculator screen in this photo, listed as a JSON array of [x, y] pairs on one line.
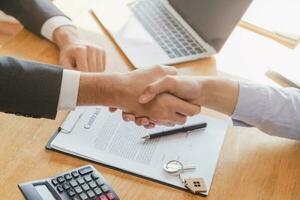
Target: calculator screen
[[44, 192]]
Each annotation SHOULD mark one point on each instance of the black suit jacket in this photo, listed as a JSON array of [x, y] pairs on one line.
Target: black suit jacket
[[27, 88], [31, 13]]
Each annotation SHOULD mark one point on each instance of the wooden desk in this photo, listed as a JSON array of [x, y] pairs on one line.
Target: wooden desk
[[251, 166]]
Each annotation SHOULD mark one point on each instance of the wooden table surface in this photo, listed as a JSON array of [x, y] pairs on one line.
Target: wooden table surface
[[252, 165]]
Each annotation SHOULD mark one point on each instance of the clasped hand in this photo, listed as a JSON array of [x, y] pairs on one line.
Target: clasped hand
[[167, 99]]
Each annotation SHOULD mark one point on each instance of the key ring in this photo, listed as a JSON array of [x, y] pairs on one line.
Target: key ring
[[193, 184], [174, 167]]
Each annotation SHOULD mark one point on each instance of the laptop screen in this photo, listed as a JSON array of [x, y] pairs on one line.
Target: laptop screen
[[213, 20]]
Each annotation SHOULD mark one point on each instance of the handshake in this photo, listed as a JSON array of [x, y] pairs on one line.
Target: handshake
[[155, 96]]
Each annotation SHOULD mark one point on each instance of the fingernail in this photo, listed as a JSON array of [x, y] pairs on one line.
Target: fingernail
[[150, 126], [145, 122], [143, 99], [130, 118]]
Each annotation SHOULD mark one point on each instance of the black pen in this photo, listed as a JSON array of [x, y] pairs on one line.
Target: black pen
[[183, 129]]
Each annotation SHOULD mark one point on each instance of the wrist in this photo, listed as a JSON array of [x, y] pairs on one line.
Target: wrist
[[208, 94], [64, 35], [99, 89], [220, 95]]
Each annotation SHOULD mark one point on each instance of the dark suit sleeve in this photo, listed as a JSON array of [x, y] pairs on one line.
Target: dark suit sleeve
[[29, 89], [31, 13]]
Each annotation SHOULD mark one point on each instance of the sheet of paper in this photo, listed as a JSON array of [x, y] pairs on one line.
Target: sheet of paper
[[103, 137]]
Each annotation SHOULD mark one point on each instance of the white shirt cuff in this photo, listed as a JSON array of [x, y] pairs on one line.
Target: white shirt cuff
[[53, 23], [69, 90]]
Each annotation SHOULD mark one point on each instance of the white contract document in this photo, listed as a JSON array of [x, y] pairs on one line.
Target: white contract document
[[96, 134]]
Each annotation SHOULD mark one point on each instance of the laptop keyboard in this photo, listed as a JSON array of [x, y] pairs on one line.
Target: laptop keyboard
[[171, 36]]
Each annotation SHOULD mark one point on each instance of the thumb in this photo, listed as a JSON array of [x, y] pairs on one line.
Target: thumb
[[170, 70], [164, 85]]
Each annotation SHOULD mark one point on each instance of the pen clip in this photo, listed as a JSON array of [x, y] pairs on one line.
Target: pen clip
[[191, 131]]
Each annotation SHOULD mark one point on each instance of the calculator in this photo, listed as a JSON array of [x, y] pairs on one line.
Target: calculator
[[84, 183]]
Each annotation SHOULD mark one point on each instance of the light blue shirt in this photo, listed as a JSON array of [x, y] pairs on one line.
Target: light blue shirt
[[275, 111]]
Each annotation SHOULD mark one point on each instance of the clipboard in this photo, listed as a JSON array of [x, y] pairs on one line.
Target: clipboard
[[56, 134], [48, 147]]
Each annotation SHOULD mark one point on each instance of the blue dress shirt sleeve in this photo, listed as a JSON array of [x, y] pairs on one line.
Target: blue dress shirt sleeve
[[275, 111]]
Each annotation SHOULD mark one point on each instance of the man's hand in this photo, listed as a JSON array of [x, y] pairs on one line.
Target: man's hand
[[215, 93], [76, 53], [165, 109], [185, 87], [123, 90]]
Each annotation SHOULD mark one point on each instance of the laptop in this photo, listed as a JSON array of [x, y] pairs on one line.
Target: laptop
[[152, 32]]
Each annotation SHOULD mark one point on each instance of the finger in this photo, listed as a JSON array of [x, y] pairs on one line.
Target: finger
[[150, 126], [175, 118], [139, 122], [170, 70], [112, 109], [163, 122], [81, 60], [103, 60], [186, 109], [178, 119], [142, 121], [92, 59], [100, 57], [168, 124], [165, 70], [67, 62], [167, 84], [125, 118], [128, 117]]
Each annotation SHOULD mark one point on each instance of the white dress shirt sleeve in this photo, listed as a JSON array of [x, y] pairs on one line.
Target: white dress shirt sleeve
[[70, 79], [69, 90], [275, 111], [53, 23]]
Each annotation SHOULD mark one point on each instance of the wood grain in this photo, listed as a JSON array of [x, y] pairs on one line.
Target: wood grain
[[252, 165]]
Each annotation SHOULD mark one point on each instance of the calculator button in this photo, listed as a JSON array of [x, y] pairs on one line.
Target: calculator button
[[94, 176], [110, 196], [60, 179], [85, 187], [60, 189], [80, 181], [85, 171], [87, 178], [75, 174], [105, 188], [97, 191], [92, 184], [68, 177], [73, 183], [78, 190], [71, 193], [90, 194], [76, 198], [99, 182], [54, 182], [83, 196], [66, 186], [103, 197]]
